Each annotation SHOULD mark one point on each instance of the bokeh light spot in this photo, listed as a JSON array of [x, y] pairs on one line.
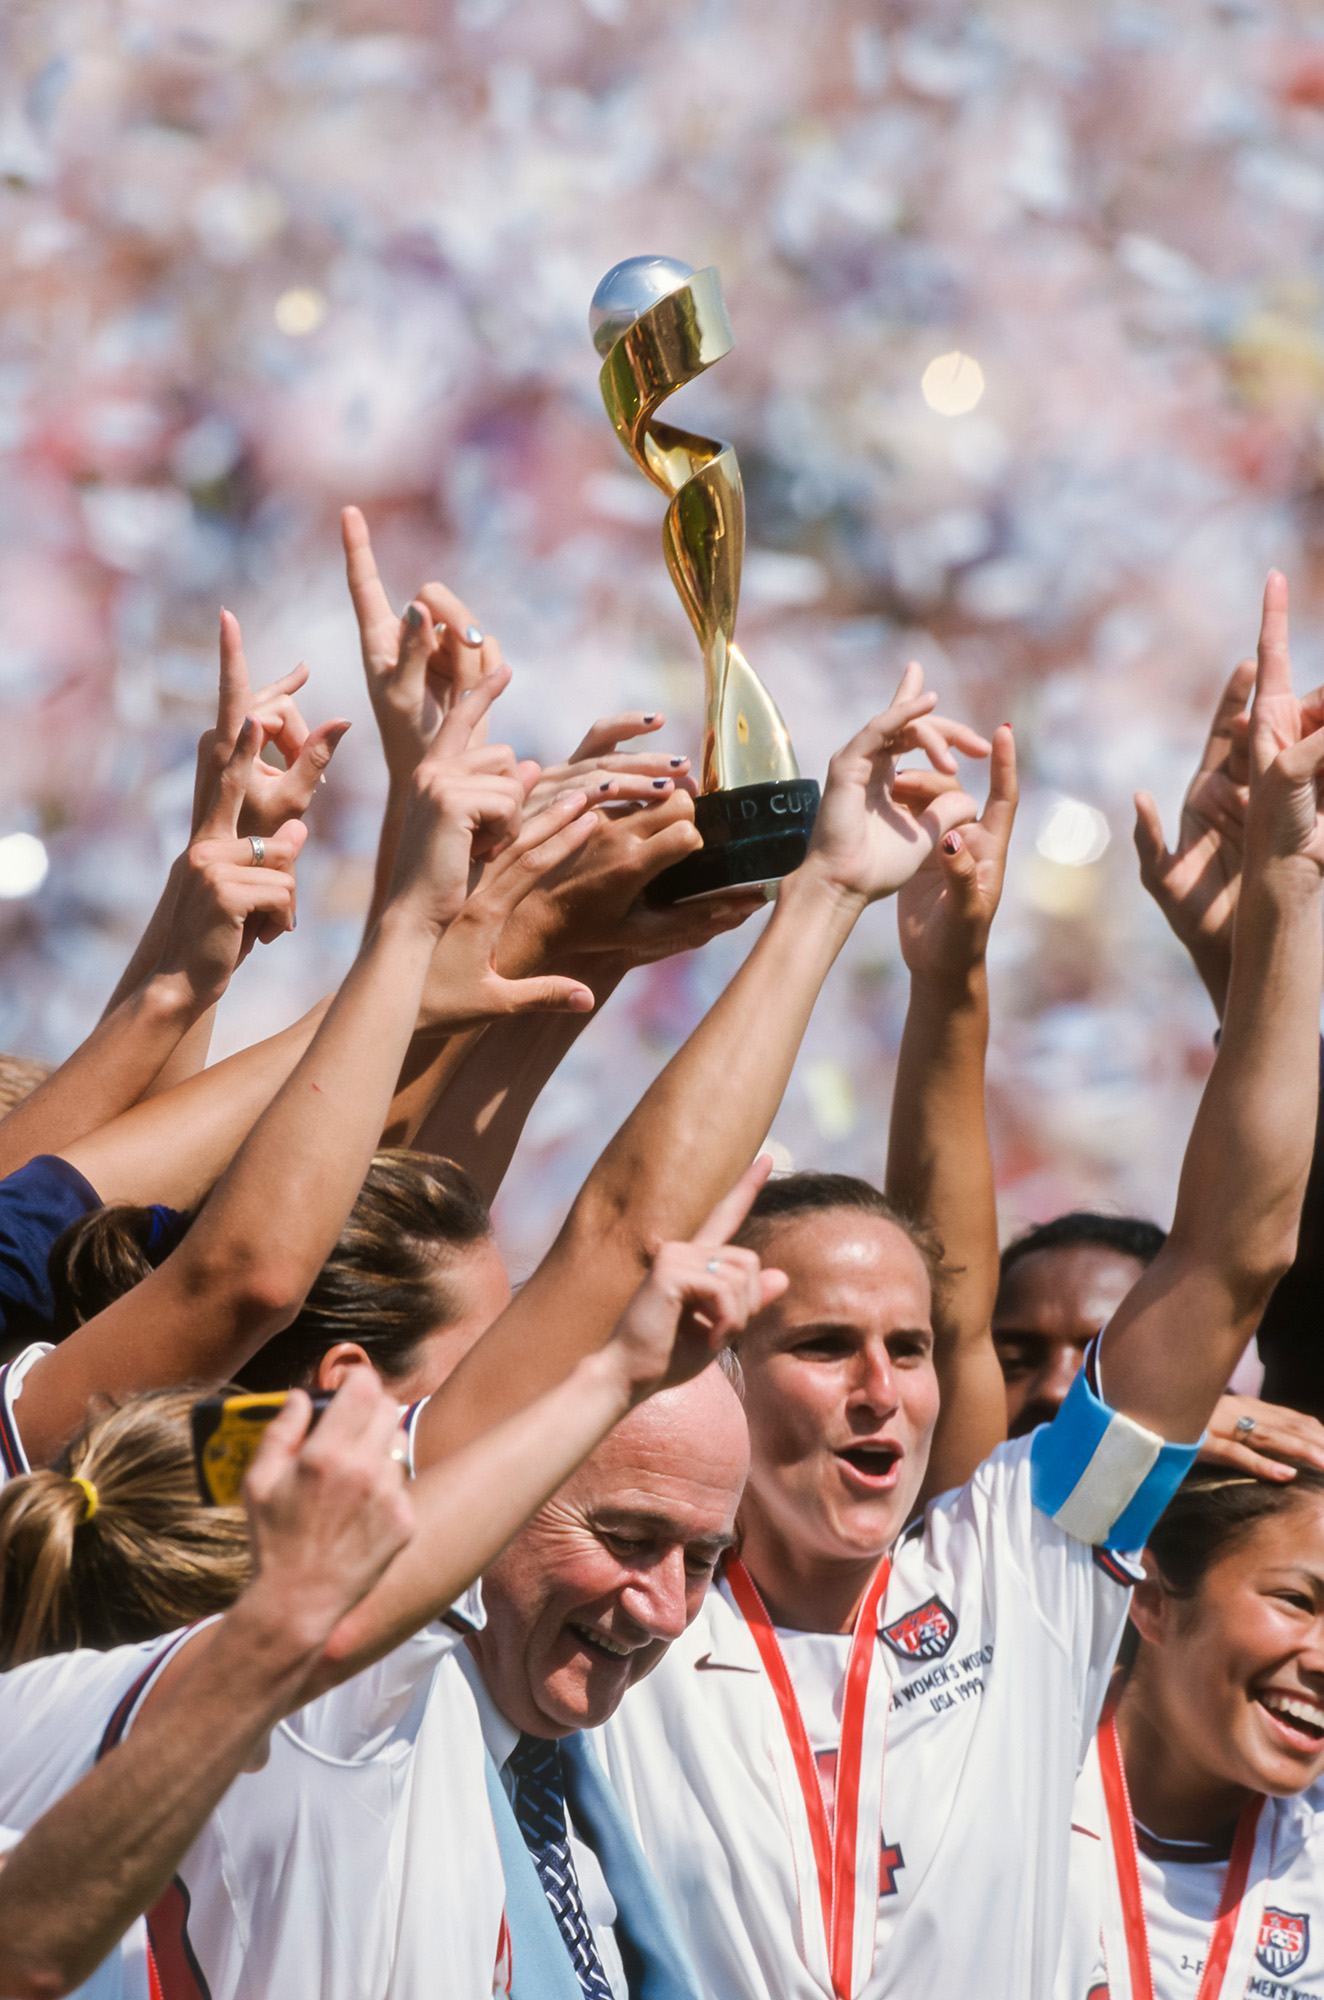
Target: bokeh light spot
[[1073, 834], [952, 383], [300, 310], [24, 863]]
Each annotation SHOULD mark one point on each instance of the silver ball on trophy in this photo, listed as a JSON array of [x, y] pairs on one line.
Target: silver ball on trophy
[[627, 291]]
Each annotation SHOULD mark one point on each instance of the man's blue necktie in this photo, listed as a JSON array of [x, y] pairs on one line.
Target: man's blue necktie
[[539, 1805]]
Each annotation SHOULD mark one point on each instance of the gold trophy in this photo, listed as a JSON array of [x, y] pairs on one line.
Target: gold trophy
[[659, 325]]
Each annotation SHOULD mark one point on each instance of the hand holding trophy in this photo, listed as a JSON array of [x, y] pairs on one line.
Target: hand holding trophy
[[659, 325]]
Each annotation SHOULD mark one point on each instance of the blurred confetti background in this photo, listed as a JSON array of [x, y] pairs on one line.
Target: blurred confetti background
[[261, 257]]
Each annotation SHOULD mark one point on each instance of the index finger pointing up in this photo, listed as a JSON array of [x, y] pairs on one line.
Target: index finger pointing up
[[732, 1209], [1275, 663], [371, 604]]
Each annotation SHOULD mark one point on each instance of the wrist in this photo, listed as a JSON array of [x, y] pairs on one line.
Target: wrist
[[966, 987], [270, 1642], [607, 1384], [172, 1000], [814, 892]]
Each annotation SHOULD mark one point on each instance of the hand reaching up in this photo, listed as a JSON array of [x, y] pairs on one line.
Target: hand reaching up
[[225, 900], [1196, 884], [867, 841], [273, 797], [1285, 816], [418, 666], [946, 909], [696, 1296]]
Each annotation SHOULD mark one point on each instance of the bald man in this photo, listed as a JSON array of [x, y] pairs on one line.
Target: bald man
[[580, 1606]]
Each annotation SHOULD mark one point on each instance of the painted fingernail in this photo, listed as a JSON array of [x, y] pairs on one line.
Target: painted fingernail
[[413, 618], [951, 843], [676, 762], [472, 636], [660, 784], [652, 717], [605, 786]]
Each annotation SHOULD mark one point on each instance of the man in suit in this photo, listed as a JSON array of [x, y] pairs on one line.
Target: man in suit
[[578, 1608]]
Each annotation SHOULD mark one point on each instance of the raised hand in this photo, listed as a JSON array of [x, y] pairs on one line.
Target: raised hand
[[272, 796], [418, 666], [225, 901], [1196, 884], [697, 1295], [464, 985], [944, 912], [465, 805], [867, 841], [591, 908], [609, 774], [1284, 819]]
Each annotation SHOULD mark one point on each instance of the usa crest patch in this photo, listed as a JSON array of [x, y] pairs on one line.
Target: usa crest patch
[[1284, 1941], [924, 1633]]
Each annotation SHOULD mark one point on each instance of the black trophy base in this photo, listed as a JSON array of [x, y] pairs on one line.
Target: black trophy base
[[751, 834]]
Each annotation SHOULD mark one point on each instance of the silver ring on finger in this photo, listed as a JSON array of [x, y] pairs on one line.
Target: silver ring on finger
[[259, 847], [1245, 1425]]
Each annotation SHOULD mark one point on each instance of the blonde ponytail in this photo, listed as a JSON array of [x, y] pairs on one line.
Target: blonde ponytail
[[114, 1545]]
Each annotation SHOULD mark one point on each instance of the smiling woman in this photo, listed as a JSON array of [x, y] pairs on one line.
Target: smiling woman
[[1196, 1818]]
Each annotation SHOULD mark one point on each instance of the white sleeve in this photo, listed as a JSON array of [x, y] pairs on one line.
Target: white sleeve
[[1078, 1595], [55, 1715]]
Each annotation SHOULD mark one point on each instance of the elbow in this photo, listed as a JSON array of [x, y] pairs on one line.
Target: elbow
[[261, 1292]]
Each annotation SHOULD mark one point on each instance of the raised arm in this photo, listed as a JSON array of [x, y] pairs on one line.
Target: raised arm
[[222, 906], [174, 1146], [697, 1295], [327, 1513], [589, 923], [939, 1167], [272, 797], [245, 1266], [1171, 1346], [701, 1122]]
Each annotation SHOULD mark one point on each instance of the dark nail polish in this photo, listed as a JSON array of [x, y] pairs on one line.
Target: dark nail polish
[[951, 844], [660, 784], [413, 618], [652, 717], [676, 762], [606, 787]]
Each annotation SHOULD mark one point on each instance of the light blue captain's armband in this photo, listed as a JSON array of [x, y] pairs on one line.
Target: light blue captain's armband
[[1102, 1477]]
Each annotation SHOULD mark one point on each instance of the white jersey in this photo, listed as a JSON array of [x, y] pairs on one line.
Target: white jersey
[[13, 1458], [996, 1634], [342, 1869], [1277, 1948]]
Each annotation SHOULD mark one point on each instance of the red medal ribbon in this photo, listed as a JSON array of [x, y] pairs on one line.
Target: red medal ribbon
[[1121, 1824], [835, 1845]]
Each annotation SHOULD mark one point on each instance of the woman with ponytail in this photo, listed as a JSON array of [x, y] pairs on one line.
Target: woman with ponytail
[[1197, 1870], [113, 1545]]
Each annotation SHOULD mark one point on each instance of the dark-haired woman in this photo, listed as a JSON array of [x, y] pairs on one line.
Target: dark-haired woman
[[1197, 1868], [415, 1277]]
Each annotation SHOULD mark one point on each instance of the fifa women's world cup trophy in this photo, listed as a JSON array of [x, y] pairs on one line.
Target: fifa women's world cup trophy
[[659, 324]]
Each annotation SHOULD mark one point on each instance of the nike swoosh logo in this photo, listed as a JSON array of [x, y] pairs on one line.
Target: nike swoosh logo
[[708, 1663]]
